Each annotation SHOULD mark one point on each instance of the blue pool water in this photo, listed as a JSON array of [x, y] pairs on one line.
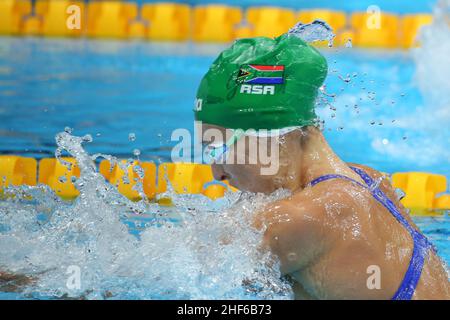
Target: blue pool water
[[380, 116]]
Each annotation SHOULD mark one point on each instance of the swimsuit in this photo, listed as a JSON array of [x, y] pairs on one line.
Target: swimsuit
[[421, 244]]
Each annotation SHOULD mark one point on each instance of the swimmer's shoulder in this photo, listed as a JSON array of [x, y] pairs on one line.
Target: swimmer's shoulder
[[385, 180], [387, 187], [294, 226], [374, 174]]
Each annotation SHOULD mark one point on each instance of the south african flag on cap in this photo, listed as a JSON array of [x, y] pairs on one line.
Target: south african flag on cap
[[260, 74]]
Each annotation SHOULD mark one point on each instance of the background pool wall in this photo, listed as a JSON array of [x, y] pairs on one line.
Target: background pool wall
[[366, 24]]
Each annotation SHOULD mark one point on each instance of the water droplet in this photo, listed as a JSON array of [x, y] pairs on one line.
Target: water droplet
[[348, 44], [399, 193], [62, 179], [347, 79], [87, 138], [385, 141], [372, 122], [132, 136], [68, 130], [404, 138], [136, 152]]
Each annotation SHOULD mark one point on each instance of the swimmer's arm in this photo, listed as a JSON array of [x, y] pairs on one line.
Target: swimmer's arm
[[10, 282], [294, 232]]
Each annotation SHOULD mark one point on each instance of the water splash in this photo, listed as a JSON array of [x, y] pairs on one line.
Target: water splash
[[198, 249], [317, 30], [431, 77], [433, 67]]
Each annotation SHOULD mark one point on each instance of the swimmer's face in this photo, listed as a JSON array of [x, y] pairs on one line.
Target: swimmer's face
[[251, 163]]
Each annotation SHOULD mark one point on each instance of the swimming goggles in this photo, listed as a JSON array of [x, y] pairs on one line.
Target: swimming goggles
[[217, 152]]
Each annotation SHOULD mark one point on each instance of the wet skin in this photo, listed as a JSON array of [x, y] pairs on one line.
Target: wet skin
[[336, 231], [328, 237]]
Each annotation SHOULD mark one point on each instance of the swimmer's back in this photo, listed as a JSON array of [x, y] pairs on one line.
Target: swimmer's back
[[433, 283], [338, 235]]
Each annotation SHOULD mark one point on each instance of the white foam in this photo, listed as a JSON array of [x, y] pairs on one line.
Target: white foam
[[211, 253]]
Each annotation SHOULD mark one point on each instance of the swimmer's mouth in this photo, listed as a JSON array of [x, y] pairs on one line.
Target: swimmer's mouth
[[224, 177]]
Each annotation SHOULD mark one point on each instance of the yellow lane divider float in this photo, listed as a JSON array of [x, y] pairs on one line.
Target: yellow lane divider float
[[12, 14], [185, 178], [110, 19], [270, 21], [216, 23], [50, 18], [171, 21], [164, 22], [371, 32], [16, 171], [421, 190], [126, 181], [424, 191], [58, 176]]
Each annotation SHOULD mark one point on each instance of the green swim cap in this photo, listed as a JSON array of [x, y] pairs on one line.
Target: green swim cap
[[262, 83]]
